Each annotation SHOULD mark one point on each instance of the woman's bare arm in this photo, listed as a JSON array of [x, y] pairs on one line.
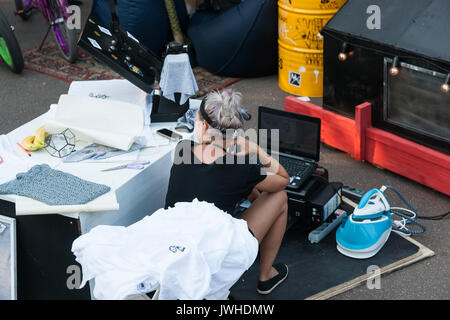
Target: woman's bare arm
[[277, 177]]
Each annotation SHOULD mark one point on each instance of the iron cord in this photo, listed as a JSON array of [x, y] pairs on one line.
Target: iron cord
[[437, 217], [410, 218]]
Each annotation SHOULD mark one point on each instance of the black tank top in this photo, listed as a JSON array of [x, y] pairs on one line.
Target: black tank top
[[224, 182]]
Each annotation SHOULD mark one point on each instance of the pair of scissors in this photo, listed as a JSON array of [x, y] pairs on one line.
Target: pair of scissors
[[134, 165]]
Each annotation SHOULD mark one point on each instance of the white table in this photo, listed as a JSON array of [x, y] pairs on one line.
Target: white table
[[139, 193]]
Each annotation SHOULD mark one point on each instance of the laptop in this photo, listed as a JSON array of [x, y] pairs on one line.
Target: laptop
[[299, 142]]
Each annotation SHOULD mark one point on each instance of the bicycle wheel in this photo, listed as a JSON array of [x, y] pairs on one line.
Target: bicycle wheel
[[65, 37], [20, 8], [9, 47]]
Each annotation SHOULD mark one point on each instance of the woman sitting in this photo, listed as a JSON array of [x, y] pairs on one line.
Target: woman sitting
[[210, 171]]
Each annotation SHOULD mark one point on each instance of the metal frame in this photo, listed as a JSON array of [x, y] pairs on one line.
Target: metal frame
[[11, 222], [387, 63]]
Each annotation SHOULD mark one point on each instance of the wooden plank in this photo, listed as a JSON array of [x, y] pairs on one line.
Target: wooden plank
[[408, 147], [339, 132], [293, 104], [363, 120], [412, 163]]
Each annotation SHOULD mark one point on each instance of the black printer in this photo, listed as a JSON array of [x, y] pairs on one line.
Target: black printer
[[315, 201]]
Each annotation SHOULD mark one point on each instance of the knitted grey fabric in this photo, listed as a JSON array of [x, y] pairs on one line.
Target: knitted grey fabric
[[53, 187]]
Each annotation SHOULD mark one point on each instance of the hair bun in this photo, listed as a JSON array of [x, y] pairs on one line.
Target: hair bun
[[223, 108]]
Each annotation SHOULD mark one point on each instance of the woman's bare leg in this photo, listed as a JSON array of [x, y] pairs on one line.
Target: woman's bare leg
[[267, 218]]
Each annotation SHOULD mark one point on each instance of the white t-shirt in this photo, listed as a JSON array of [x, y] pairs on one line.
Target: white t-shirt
[[13, 160], [192, 251]]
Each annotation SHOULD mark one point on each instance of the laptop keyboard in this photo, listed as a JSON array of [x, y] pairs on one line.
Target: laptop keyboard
[[296, 167]]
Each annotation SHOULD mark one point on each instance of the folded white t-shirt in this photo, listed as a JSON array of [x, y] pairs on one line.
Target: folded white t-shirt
[[13, 160]]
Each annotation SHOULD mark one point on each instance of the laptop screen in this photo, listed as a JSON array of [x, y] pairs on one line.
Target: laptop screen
[[299, 135]]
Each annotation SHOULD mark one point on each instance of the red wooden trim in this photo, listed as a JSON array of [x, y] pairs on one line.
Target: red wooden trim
[[407, 146], [363, 120], [338, 131], [296, 105], [413, 164]]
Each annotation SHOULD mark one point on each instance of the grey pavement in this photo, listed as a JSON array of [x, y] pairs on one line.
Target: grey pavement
[[25, 96]]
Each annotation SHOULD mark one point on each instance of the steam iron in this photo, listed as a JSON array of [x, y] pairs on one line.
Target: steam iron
[[362, 234]]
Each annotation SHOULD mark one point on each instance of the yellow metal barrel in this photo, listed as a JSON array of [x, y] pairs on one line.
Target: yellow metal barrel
[[300, 46]]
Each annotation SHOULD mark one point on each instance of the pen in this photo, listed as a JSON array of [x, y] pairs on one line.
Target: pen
[[21, 147]]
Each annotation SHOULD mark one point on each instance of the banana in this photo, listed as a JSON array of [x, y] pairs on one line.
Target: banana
[[40, 135], [28, 143], [37, 142]]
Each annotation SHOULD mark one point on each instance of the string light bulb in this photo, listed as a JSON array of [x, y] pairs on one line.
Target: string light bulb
[[394, 68], [342, 56], [445, 85]]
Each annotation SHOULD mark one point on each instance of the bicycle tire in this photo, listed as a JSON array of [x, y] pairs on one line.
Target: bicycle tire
[[70, 38], [19, 7], [10, 50]]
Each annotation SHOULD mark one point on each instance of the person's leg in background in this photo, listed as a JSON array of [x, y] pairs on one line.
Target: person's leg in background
[[267, 218]]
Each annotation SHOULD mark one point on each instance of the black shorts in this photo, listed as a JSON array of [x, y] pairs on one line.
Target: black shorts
[[251, 232]]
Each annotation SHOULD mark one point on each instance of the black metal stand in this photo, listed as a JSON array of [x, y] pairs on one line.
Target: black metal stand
[[46, 266]]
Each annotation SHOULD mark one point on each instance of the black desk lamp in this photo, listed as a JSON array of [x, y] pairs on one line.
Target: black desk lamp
[[123, 53]]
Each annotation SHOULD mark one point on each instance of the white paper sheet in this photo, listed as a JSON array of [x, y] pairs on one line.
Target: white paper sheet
[[115, 89], [111, 123], [28, 206]]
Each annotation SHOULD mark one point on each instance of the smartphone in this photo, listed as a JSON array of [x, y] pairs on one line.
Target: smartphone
[[166, 133]]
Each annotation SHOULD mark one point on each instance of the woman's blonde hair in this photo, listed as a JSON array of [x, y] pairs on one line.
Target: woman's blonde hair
[[223, 109]]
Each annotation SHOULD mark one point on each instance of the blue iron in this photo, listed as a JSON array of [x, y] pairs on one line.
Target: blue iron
[[362, 234]]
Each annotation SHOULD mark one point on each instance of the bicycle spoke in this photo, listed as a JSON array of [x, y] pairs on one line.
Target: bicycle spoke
[[61, 40], [58, 27]]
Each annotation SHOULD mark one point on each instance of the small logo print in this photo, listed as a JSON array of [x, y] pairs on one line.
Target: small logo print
[[134, 68], [174, 249], [98, 95], [142, 288], [294, 78]]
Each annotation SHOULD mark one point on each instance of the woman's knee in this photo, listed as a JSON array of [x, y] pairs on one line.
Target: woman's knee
[[282, 200]]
